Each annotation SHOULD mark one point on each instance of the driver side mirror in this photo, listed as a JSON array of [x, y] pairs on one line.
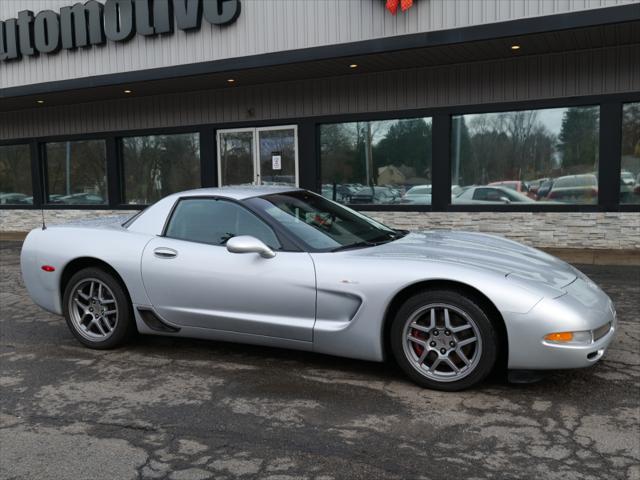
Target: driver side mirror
[[505, 200], [249, 244]]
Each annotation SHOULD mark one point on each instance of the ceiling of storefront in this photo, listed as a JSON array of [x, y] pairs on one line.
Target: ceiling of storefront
[[480, 51]]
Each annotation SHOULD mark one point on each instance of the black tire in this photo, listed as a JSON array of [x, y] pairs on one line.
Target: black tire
[[125, 325], [483, 362]]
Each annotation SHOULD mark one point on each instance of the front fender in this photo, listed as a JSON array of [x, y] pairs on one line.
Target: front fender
[[376, 282]]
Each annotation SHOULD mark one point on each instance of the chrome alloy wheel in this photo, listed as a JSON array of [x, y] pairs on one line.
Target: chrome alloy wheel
[[442, 342], [93, 309]]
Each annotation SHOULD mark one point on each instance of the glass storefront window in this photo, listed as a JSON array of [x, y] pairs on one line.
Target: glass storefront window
[[385, 162], [630, 162], [76, 172], [155, 166], [15, 175], [526, 156]]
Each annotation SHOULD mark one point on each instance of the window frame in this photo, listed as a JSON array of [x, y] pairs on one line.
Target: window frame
[[285, 244], [609, 147], [510, 206], [377, 117], [624, 206], [309, 154], [34, 182], [44, 172], [121, 179]]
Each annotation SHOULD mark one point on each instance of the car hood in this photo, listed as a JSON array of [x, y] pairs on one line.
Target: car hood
[[487, 252]]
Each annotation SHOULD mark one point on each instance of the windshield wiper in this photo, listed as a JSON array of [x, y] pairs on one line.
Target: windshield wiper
[[395, 235], [354, 245], [364, 244]]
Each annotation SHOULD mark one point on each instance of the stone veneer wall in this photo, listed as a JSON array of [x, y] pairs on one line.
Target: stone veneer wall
[[619, 230], [615, 231]]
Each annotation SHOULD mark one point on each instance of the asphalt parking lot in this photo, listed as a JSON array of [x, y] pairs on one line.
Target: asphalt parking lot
[[181, 409]]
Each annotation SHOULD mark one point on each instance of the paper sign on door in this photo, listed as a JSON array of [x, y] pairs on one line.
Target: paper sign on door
[[276, 162]]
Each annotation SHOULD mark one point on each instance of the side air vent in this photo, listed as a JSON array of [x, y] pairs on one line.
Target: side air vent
[[154, 322]]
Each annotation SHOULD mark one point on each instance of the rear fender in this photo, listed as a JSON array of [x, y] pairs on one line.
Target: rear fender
[[59, 246]]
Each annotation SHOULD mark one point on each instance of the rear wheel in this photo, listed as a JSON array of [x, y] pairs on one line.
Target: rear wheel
[[443, 340], [97, 309]]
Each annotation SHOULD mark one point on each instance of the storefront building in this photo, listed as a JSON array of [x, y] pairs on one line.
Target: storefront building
[[505, 116]]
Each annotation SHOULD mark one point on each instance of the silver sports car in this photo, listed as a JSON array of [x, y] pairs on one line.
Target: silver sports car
[[289, 268]]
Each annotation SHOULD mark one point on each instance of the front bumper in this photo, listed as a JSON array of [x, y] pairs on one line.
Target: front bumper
[[583, 308]]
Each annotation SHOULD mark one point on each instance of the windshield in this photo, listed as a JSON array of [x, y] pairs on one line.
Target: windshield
[[321, 224]]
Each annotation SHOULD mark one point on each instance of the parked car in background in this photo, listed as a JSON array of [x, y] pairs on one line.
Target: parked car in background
[[534, 186], [456, 190], [15, 199], [78, 199], [575, 189], [489, 194], [629, 191], [544, 189], [516, 185], [420, 194], [343, 193], [375, 195], [627, 178]]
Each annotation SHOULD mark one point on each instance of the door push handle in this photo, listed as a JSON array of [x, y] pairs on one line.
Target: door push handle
[[164, 252]]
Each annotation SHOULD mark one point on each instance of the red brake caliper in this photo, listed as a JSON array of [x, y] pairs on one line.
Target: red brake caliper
[[417, 348]]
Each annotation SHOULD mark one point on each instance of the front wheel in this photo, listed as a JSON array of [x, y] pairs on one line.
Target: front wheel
[[97, 309], [443, 340]]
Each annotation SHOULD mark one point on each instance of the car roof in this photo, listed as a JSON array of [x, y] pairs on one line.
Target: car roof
[[236, 193], [152, 219]]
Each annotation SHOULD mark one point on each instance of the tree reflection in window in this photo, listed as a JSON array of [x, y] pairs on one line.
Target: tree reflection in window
[[547, 155], [158, 165], [630, 162], [377, 162], [76, 172], [15, 175]]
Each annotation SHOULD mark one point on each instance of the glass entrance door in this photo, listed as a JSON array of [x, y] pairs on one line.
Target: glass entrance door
[[236, 164], [258, 156]]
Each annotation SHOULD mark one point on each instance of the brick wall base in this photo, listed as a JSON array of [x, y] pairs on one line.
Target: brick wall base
[[608, 231]]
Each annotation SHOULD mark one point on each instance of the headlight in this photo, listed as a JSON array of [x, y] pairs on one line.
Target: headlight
[[570, 338]]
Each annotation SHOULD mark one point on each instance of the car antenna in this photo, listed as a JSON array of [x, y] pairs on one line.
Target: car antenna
[[44, 226]]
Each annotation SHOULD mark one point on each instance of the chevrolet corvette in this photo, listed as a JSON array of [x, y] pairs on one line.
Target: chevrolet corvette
[[286, 267]]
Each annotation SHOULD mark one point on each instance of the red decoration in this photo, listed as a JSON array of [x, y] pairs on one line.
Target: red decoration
[[392, 5]]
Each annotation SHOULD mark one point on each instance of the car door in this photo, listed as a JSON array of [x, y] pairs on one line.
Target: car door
[[193, 280]]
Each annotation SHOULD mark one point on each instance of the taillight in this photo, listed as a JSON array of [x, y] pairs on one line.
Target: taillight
[[48, 268]]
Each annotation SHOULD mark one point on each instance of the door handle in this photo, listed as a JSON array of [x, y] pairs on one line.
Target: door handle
[[164, 252]]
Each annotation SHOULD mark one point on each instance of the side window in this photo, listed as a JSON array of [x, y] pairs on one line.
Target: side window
[[495, 195], [481, 194], [512, 197], [207, 220]]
